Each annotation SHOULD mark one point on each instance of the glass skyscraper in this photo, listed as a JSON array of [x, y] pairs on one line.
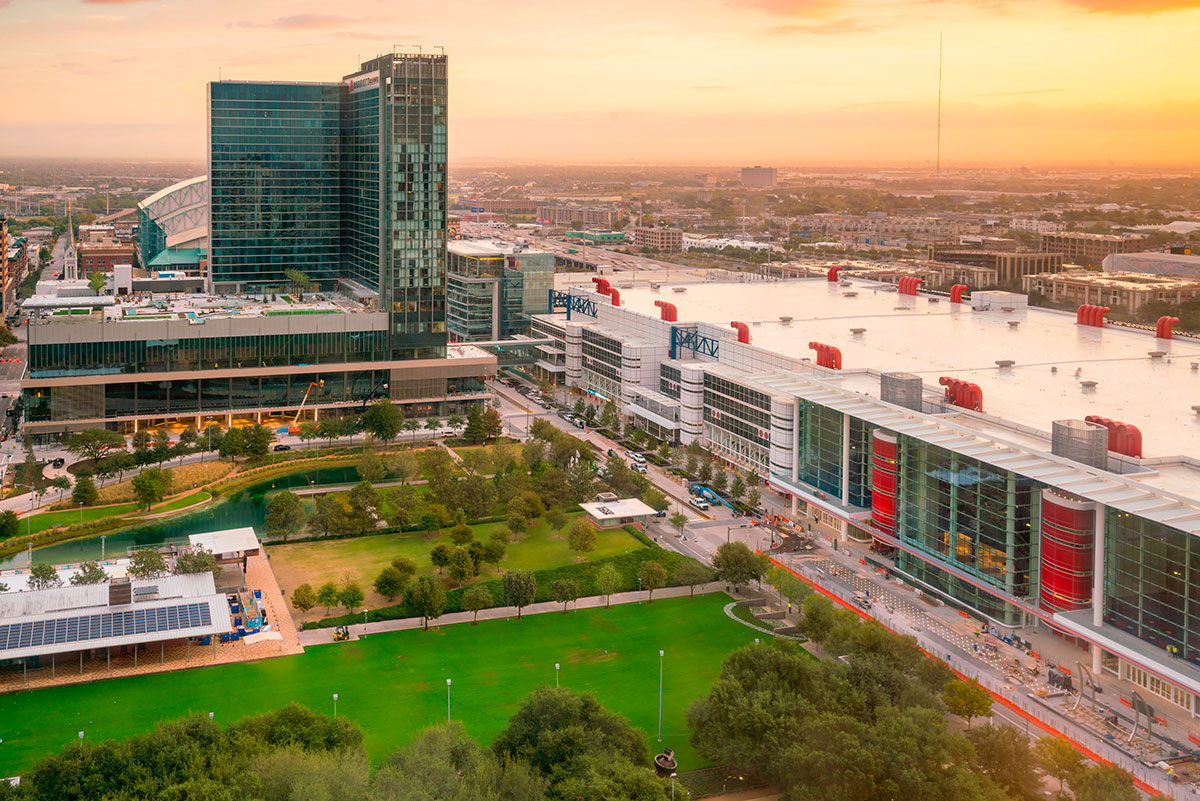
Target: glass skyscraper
[[345, 182]]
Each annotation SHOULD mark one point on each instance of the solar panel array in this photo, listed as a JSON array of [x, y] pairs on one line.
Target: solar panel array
[[80, 629]]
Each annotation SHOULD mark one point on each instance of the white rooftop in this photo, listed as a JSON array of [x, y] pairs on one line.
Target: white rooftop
[[232, 540], [483, 248], [611, 510], [1051, 355]]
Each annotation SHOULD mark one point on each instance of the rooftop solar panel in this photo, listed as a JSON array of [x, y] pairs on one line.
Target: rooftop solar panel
[[80, 629]]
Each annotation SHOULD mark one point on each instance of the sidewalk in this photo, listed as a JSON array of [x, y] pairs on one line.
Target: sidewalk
[[323, 636]]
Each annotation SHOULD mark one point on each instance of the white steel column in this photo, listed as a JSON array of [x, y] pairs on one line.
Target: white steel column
[[1097, 581]]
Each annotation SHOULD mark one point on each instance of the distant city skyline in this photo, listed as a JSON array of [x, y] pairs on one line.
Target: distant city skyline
[[767, 81]]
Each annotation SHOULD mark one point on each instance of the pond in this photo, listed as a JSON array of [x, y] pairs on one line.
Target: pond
[[247, 507]]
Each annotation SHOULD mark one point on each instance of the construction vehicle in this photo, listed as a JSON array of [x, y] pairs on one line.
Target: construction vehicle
[[341, 634]]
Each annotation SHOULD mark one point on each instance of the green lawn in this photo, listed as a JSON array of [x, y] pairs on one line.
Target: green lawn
[[394, 684], [362, 558], [45, 520], [182, 502]]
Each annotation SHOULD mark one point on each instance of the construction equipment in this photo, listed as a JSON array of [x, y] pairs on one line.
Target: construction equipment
[[341, 634], [320, 384]]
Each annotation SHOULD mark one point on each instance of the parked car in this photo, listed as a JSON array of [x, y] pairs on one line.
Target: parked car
[[637, 467], [59, 462], [635, 456], [282, 447], [699, 503], [611, 452]]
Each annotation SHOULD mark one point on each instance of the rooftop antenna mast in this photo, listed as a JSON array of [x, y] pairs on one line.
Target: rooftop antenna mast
[[939, 110]]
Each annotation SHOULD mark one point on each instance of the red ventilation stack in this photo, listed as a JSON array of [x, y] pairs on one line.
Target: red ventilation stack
[[1163, 327], [743, 332], [615, 295], [832, 274], [827, 355], [909, 284], [1122, 437], [962, 393], [602, 284], [669, 313], [1088, 314], [956, 292]]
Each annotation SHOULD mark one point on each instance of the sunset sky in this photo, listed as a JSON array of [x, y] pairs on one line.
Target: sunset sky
[[681, 81]]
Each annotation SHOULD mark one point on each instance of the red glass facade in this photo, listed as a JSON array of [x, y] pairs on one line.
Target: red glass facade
[[1068, 537], [885, 464]]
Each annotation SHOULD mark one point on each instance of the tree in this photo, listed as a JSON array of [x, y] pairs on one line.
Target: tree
[[10, 524], [656, 500], [517, 520], [406, 567], [162, 446], [404, 466], [752, 498], [62, 484], [582, 535], [233, 444], [653, 575], [258, 440], [328, 516], [363, 503], [493, 426], [330, 428], [187, 437], [303, 597], [494, 550], [440, 556], [197, 561], [736, 564], [327, 595], [532, 453], [426, 598], [520, 588], [433, 423], [147, 563], [818, 619], [706, 472], [370, 466], [556, 518], [967, 699], [412, 425], [85, 492], [1058, 758], [608, 581], [1103, 783], [89, 572], [94, 442], [1003, 753], [43, 577], [691, 573], [212, 437], [564, 591], [384, 419], [150, 486], [476, 598], [350, 596], [691, 465], [788, 585], [461, 567], [475, 430], [720, 481], [679, 520], [122, 461], [738, 488], [97, 282], [309, 431], [455, 422], [285, 515], [461, 533]]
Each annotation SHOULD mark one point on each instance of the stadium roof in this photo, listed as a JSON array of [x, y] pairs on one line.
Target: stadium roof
[[67, 619]]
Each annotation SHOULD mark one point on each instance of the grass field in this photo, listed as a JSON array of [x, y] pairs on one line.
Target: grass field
[[182, 502], [65, 517], [394, 684], [363, 557]]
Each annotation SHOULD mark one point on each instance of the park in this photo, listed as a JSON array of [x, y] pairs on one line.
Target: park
[[394, 684]]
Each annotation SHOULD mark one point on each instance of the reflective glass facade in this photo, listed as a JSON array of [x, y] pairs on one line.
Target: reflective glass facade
[[1152, 582], [492, 296], [275, 183], [819, 436]]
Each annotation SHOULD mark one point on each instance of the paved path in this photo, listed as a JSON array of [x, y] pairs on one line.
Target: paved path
[[322, 636]]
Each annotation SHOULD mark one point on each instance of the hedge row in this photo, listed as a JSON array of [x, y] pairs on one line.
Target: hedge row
[[583, 574]]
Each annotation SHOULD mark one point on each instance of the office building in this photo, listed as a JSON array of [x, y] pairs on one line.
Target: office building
[[101, 254], [653, 238], [1008, 266], [1079, 247], [759, 177], [344, 182], [1004, 502], [572, 214], [493, 287]]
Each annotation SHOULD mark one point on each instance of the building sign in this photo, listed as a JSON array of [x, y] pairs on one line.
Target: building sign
[[478, 210], [359, 83]]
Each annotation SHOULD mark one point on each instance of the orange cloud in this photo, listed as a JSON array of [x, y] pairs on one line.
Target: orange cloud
[[1135, 6]]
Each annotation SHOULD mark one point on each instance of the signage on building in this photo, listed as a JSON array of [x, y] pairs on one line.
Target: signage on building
[[359, 83], [478, 210]]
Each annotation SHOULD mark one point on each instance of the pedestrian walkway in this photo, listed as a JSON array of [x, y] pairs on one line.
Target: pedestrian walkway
[[322, 636]]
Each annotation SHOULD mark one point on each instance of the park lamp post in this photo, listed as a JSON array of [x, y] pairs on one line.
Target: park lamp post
[[556, 667], [81, 741], [447, 702], [660, 688], [365, 611], [335, 705], [672, 787]]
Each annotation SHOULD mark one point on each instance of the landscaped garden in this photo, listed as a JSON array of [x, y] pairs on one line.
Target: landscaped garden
[[394, 684]]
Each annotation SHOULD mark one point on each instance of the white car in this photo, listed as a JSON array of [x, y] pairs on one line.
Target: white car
[[699, 503], [635, 456], [638, 468]]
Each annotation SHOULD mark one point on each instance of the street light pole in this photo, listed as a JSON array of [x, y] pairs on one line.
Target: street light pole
[[556, 667], [447, 702], [335, 705], [660, 688]]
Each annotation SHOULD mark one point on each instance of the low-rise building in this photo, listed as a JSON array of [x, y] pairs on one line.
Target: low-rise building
[[1125, 292], [493, 287], [1181, 264], [575, 214], [1076, 246], [658, 238], [760, 177], [1008, 266], [101, 255], [1032, 225]]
